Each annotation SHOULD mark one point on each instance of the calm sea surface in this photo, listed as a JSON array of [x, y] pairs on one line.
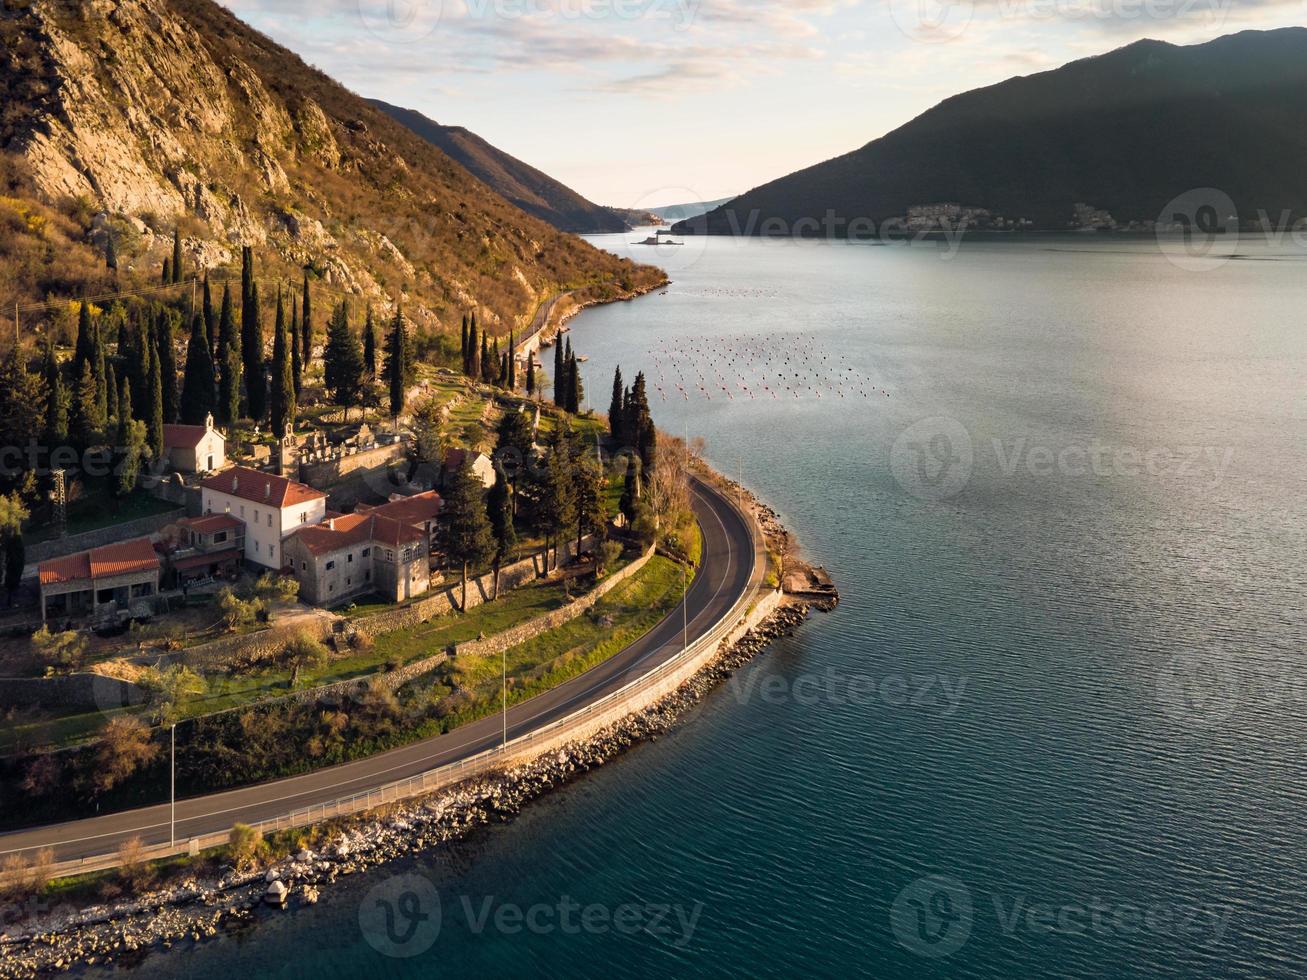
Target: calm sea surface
[[1057, 727]]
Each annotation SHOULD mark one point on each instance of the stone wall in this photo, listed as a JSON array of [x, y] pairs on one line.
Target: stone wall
[[332, 471], [265, 645], [444, 599], [85, 692], [139, 528]]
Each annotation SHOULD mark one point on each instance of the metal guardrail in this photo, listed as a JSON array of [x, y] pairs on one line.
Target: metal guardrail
[[491, 760]]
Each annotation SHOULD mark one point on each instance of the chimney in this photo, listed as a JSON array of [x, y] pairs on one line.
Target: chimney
[[267, 490], [235, 483]]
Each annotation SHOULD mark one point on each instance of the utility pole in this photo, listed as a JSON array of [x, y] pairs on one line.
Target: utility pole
[[172, 820]]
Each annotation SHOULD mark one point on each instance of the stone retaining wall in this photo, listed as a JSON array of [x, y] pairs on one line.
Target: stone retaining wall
[[139, 528], [84, 692]]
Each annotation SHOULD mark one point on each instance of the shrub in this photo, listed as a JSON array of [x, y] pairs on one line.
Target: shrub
[[244, 845], [133, 870], [65, 651]]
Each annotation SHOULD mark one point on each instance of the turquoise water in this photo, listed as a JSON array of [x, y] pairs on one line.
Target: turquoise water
[[1056, 727]]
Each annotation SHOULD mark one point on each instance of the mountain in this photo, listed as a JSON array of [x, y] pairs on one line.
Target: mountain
[[134, 117], [531, 190], [684, 212], [1125, 132]]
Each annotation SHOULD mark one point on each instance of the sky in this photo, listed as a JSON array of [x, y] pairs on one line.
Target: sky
[[646, 103]]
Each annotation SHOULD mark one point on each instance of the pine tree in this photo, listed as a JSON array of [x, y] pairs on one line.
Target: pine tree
[[469, 541], [558, 497], [228, 362], [283, 381], [591, 509], [342, 361], [398, 369], [615, 407], [154, 424], [252, 357], [306, 324], [199, 388], [370, 345], [56, 404], [22, 397], [296, 355], [177, 255], [166, 344], [499, 503], [87, 422]]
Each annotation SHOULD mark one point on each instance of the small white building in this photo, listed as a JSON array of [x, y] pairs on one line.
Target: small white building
[[271, 507], [482, 468], [195, 448]]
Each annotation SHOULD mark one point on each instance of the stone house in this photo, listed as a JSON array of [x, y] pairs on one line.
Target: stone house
[[482, 466], [359, 554], [105, 583], [211, 546]]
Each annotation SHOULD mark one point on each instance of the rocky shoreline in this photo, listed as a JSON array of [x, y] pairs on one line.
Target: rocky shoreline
[[42, 940]]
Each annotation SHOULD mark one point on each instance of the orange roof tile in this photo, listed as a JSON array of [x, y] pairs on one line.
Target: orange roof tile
[[356, 529], [262, 488], [124, 558], [183, 436]]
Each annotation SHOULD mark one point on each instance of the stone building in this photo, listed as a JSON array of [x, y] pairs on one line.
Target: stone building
[[271, 508], [359, 554], [195, 448], [108, 583]]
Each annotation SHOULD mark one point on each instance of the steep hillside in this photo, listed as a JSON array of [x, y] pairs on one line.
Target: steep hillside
[[1126, 132], [534, 192], [138, 116]]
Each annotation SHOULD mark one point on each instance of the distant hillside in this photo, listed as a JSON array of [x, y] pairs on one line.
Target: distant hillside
[[140, 116], [1125, 132], [683, 212], [531, 190]]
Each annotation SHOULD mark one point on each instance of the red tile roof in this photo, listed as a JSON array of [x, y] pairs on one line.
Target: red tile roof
[[418, 509], [356, 529], [211, 523], [124, 558], [261, 488], [183, 436]]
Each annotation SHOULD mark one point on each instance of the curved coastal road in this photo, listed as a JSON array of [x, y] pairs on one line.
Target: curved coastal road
[[728, 571]]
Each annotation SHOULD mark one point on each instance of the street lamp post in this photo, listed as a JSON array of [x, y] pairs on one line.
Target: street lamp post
[[503, 666], [172, 819]]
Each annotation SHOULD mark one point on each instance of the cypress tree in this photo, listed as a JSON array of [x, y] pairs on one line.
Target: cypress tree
[[499, 503], [111, 396], [615, 406], [498, 377], [283, 382], [463, 347], [131, 446], [228, 363], [558, 501], [84, 351], [296, 355], [512, 364], [370, 345], [641, 427], [252, 355], [154, 424], [177, 255], [199, 388], [166, 344], [210, 321], [530, 376], [397, 363], [473, 369], [99, 366], [484, 359], [56, 400], [167, 272], [560, 386], [88, 424], [306, 324], [110, 254], [575, 393], [631, 491]]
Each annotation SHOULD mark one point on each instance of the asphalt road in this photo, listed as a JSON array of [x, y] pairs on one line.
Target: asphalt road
[[727, 572]]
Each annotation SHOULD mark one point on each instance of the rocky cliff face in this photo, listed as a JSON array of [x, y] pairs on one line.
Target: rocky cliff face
[[145, 115]]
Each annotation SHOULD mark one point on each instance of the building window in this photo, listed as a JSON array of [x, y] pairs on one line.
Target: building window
[[390, 555], [367, 575], [330, 565], [349, 559], [242, 512], [269, 520], [366, 552], [304, 566], [256, 547], [220, 537], [304, 517], [349, 581]]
